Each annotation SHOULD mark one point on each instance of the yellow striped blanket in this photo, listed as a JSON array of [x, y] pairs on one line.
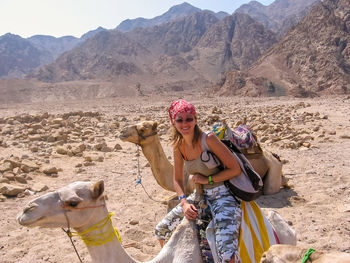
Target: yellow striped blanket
[[256, 234]]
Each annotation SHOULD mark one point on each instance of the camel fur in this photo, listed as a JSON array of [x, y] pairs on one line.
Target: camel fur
[[81, 205], [145, 134], [54, 209], [294, 254]]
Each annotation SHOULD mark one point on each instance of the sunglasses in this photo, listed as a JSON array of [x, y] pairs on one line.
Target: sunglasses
[[190, 119]]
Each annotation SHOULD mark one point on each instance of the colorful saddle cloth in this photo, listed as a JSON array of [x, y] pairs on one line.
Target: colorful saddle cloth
[[256, 235], [241, 136]]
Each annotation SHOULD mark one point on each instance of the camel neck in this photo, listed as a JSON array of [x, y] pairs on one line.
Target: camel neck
[[160, 164], [110, 251]]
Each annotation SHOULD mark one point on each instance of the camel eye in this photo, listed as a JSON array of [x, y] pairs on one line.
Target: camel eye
[[71, 203]]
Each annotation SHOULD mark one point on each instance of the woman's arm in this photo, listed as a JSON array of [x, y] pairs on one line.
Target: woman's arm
[[232, 167], [189, 210]]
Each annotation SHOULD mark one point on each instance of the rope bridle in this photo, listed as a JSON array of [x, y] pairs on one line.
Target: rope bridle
[[96, 240], [141, 137], [139, 176]]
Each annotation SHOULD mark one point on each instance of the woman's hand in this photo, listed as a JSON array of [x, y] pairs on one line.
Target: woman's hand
[[200, 179], [190, 211]]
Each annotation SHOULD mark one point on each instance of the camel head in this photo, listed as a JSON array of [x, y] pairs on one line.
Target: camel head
[[288, 253], [72, 202], [140, 133]]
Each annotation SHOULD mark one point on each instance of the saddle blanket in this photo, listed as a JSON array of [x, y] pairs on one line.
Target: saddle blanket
[[256, 235]]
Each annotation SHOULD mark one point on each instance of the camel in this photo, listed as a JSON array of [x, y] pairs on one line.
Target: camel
[[81, 205], [145, 134], [294, 254]]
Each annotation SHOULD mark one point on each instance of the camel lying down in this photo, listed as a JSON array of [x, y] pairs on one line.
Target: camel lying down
[[294, 254], [145, 134], [81, 205]]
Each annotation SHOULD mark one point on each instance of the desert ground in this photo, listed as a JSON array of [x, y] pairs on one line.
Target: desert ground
[[44, 146]]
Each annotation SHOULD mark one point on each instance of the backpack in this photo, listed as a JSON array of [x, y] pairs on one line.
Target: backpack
[[241, 136], [247, 186]]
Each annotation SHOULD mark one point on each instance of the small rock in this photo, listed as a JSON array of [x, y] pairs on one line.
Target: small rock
[[106, 149], [118, 147], [61, 150], [20, 179], [133, 222], [49, 170], [310, 172], [39, 187], [2, 198]]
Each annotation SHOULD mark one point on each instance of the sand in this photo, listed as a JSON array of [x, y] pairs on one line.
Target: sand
[[317, 203]]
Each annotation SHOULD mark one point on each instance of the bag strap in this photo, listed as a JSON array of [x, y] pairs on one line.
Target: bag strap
[[204, 144]]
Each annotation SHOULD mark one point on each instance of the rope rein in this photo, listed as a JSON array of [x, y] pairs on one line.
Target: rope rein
[[139, 176], [68, 232], [93, 240]]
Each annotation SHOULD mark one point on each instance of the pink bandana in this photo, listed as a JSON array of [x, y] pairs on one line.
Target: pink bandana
[[180, 106]]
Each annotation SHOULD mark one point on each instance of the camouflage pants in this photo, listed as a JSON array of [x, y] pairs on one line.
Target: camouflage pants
[[226, 213]]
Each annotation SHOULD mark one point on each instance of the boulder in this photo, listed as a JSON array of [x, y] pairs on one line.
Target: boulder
[[6, 166], [11, 190]]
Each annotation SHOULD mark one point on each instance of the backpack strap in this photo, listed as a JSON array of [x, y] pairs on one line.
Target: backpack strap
[[204, 144]]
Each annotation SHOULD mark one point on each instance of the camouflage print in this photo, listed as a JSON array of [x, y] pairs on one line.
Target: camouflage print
[[165, 227], [227, 215]]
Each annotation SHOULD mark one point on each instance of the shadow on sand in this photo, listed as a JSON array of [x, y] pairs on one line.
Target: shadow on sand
[[279, 200]]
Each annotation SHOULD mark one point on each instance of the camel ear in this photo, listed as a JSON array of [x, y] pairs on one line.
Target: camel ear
[[154, 126], [97, 189]]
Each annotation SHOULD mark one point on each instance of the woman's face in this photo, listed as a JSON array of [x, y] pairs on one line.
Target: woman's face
[[185, 123]]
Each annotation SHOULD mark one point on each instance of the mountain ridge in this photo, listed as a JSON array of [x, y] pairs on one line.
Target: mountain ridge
[[313, 58]]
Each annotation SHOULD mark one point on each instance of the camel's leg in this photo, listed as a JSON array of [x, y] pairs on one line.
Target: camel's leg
[[172, 203], [273, 179]]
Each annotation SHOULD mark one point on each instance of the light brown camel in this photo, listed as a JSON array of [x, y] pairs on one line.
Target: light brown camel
[[145, 134], [81, 205], [294, 254]]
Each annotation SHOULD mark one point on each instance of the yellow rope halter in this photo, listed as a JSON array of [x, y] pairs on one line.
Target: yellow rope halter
[[99, 239]]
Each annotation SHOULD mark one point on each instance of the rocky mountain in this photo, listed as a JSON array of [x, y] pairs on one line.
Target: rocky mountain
[[174, 54], [278, 14], [91, 33], [57, 46], [232, 43], [18, 56], [52, 45], [175, 12], [313, 58]]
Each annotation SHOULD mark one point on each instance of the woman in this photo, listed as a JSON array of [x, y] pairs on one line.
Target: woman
[[189, 147]]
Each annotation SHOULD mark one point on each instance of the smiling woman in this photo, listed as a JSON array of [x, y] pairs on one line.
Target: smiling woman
[[189, 144]]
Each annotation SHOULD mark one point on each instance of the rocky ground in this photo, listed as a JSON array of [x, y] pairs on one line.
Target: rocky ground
[[44, 146]]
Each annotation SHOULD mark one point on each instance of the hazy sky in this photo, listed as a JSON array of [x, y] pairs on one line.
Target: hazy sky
[[76, 17]]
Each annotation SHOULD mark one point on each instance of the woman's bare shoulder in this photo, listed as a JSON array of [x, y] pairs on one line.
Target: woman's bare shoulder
[[212, 139]]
